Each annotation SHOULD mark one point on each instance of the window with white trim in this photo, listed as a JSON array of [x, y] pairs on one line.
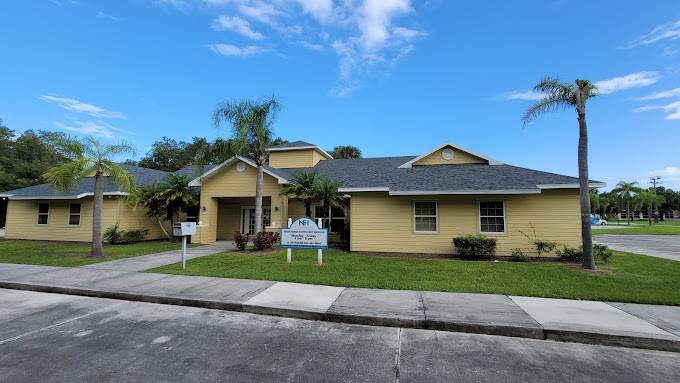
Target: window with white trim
[[74, 214], [492, 216], [43, 213], [425, 216]]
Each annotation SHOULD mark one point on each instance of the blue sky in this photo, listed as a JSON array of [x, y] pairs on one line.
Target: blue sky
[[393, 77]]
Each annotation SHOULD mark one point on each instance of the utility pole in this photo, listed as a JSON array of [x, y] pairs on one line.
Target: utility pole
[[654, 181]]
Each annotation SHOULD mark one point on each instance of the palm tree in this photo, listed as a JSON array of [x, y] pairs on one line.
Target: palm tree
[[91, 158], [557, 95], [303, 186], [177, 195], [346, 151], [327, 193], [251, 123], [626, 191], [649, 199], [150, 197]]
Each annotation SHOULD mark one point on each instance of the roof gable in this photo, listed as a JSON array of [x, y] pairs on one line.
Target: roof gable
[[216, 169], [449, 154]]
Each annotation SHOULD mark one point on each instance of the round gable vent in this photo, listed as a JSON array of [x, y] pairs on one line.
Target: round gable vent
[[240, 167], [447, 154]]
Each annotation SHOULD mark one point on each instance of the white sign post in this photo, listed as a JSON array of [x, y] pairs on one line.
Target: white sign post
[[184, 229], [303, 233]]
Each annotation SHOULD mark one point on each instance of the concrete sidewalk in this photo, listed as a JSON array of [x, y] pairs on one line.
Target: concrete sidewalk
[[150, 261], [621, 324]]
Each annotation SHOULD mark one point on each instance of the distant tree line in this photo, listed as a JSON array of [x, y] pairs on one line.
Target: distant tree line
[[26, 156], [630, 197]]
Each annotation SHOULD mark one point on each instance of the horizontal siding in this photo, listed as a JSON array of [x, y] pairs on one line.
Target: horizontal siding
[[459, 157], [295, 158], [385, 224]]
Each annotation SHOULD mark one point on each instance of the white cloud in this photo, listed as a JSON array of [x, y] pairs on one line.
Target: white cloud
[[104, 15], [259, 10], [668, 171], [672, 110], [180, 5], [233, 50], [81, 107], [91, 128], [311, 46], [374, 18], [633, 80], [665, 32], [528, 95], [321, 10], [236, 24], [661, 94]]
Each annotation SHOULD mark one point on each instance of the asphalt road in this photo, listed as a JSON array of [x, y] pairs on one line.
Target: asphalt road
[[61, 338], [661, 246]]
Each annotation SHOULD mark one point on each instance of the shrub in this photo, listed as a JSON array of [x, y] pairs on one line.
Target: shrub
[[113, 234], [543, 246], [475, 246], [570, 254], [265, 240], [135, 235], [240, 240], [518, 255], [602, 252]]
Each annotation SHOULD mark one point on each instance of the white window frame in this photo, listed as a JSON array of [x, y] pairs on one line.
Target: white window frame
[[243, 224], [479, 218], [80, 213], [37, 218], [436, 216]]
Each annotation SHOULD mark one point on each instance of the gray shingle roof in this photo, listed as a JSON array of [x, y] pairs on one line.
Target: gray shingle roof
[[142, 176], [294, 144], [385, 172], [194, 171]]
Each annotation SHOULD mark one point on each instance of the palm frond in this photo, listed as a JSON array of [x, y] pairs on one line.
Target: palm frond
[[67, 174], [120, 176], [69, 147], [549, 103], [122, 147]]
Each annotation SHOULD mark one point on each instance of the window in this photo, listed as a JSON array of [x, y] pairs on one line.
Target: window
[[43, 212], [492, 216], [74, 214], [425, 216]]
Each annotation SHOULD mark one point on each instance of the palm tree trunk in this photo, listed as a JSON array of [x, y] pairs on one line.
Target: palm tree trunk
[[649, 213], [628, 219], [584, 189], [97, 215], [258, 198], [160, 224]]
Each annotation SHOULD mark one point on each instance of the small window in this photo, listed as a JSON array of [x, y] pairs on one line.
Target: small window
[[74, 214], [492, 216], [425, 216], [43, 212]]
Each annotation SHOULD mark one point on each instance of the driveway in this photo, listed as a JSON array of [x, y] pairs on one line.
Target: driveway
[[662, 246], [63, 338]]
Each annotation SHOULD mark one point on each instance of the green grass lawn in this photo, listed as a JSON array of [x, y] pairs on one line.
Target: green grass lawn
[[626, 278], [641, 227], [73, 254]]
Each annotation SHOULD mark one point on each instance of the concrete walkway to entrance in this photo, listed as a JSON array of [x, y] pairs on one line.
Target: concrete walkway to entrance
[[661, 246], [621, 324], [150, 261]]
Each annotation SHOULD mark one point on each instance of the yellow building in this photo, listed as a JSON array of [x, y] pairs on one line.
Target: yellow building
[[413, 204]]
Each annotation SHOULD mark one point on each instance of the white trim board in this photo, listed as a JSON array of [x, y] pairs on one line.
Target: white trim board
[[198, 180]]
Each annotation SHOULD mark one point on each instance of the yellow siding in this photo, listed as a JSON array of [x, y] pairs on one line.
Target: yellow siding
[[459, 157], [296, 208], [229, 183], [22, 220], [295, 158], [382, 223]]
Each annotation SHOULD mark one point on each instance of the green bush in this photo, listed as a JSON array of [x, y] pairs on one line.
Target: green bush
[[518, 255], [570, 254], [135, 235], [475, 247], [240, 240], [543, 246], [602, 253], [265, 240], [113, 234]]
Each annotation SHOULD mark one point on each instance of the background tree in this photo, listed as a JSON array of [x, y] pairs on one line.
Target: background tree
[[648, 199], [150, 198], [303, 186], [346, 151], [91, 158], [171, 155], [177, 195], [558, 95], [626, 191], [251, 124]]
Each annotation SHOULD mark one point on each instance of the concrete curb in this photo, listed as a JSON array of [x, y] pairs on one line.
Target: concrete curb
[[426, 324]]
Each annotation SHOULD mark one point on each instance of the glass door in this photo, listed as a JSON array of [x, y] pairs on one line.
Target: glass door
[[248, 219]]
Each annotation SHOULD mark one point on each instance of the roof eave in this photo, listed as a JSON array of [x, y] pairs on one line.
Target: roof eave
[[198, 180]]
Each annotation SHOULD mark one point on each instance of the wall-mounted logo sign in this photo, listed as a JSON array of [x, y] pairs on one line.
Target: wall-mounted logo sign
[[303, 233]]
